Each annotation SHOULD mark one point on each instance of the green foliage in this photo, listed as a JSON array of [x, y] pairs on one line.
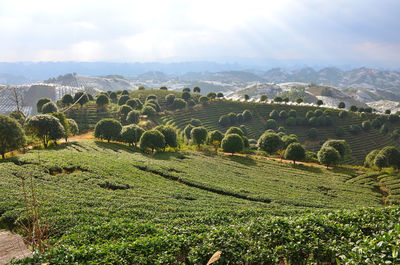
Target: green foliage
[[340, 145], [366, 125], [283, 115], [247, 115], [388, 156], [220, 95], [153, 140], [341, 105], [73, 127], [291, 121], [271, 124], [343, 114], [103, 100], [234, 130], [163, 88], [196, 89], [232, 143], [355, 129], [299, 100], [203, 100], [81, 98], [239, 118], [295, 152], [45, 127], [187, 131], [11, 135], [289, 139], [186, 89], [313, 133], [370, 158], [195, 122], [149, 111], [107, 129], [319, 102], [232, 118], [246, 97], [384, 129], [40, 104], [263, 98], [274, 114], [169, 135], [125, 109], [211, 95], [64, 122], [151, 96], [49, 107], [277, 99], [18, 115], [178, 103], [309, 114], [198, 135], [269, 142], [170, 99], [186, 95], [328, 156], [123, 99], [353, 108], [224, 120], [339, 132], [215, 136], [67, 99], [292, 113], [133, 117], [131, 134]]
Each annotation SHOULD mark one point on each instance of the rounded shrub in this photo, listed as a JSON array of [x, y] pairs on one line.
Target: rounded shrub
[[271, 124], [153, 140], [133, 117], [107, 129], [269, 142], [131, 134], [328, 156], [49, 107], [295, 152], [102, 100], [198, 135], [313, 133], [169, 133], [12, 135], [232, 143]]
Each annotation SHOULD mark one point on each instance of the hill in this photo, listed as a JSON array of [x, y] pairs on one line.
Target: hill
[[107, 202]]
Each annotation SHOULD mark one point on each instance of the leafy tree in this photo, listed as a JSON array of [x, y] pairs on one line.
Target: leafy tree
[[271, 124], [340, 145], [49, 107], [283, 115], [125, 92], [178, 103], [215, 138], [394, 118], [152, 139], [278, 99], [341, 105], [235, 130], [388, 111], [67, 99], [319, 102], [343, 114], [132, 103], [198, 135], [274, 114], [113, 96], [153, 103], [313, 133], [384, 129], [291, 121], [81, 98], [191, 103], [370, 158], [328, 156], [263, 98], [195, 122], [102, 100], [232, 143], [152, 96], [286, 99], [289, 139], [163, 88], [107, 129], [232, 118], [292, 113], [187, 131], [354, 129], [141, 88], [40, 104], [124, 110], [169, 133], [366, 125], [123, 99], [318, 113], [45, 127], [224, 120], [299, 100], [131, 134], [247, 115], [64, 122], [295, 152], [196, 89], [310, 114], [203, 100], [239, 118], [133, 117], [90, 96], [391, 156], [186, 89], [339, 131], [11, 135], [353, 108], [246, 97], [211, 95], [18, 115], [220, 95], [269, 142], [170, 99], [149, 111], [73, 127]]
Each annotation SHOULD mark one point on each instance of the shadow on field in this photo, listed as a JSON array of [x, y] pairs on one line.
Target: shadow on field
[[167, 155], [248, 161], [307, 168], [116, 147]]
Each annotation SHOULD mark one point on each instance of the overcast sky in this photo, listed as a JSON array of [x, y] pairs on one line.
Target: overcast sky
[[147, 30]]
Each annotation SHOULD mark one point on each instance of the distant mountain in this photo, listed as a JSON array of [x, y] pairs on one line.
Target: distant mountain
[[226, 76], [9, 79]]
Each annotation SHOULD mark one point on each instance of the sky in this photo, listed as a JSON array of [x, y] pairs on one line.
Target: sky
[[339, 31]]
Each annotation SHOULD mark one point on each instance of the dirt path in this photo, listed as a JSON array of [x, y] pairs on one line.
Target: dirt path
[[12, 246]]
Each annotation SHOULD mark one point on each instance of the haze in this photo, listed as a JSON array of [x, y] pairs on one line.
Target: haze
[[355, 32]]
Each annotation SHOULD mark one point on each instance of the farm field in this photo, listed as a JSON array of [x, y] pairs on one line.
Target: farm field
[[110, 203]]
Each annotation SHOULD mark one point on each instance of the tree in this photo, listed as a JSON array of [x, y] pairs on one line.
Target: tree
[[232, 117], [319, 102], [125, 92], [187, 131], [246, 97], [191, 103], [340, 145], [195, 122], [285, 99], [163, 88], [278, 99], [45, 127], [289, 139], [239, 118], [269, 142], [309, 114], [11, 135], [295, 152], [124, 110], [328, 156], [215, 138], [113, 96], [390, 155], [64, 122], [73, 127], [107, 129], [203, 100], [211, 95], [313, 133], [341, 105], [152, 96], [263, 98], [170, 99], [133, 117], [102, 100], [152, 139], [366, 125], [18, 115], [247, 115], [196, 89], [388, 111], [370, 158], [148, 110], [40, 104], [299, 100], [169, 133], [131, 134], [283, 115], [141, 88], [274, 114], [132, 103], [220, 95], [353, 108], [81, 98], [186, 95], [224, 120], [198, 135], [17, 97], [49, 107], [232, 143], [292, 113], [67, 99], [186, 89], [178, 103], [123, 99], [271, 124]]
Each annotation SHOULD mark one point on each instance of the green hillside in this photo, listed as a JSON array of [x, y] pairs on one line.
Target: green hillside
[[110, 203]]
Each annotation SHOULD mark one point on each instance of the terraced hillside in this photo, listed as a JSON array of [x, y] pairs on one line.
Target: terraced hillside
[[360, 144], [110, 203]]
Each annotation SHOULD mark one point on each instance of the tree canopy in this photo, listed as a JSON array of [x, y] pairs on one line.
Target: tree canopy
[[11, 135], [107, 129]]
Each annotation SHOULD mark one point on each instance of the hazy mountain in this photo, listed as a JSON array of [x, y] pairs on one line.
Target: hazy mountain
[[10, 79]]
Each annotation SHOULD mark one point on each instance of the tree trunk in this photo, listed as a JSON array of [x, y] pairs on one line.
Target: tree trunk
[[108, 140], [294, 162], [3, 156]]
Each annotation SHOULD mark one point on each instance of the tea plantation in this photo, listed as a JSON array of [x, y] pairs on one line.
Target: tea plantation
[[108, 203]]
